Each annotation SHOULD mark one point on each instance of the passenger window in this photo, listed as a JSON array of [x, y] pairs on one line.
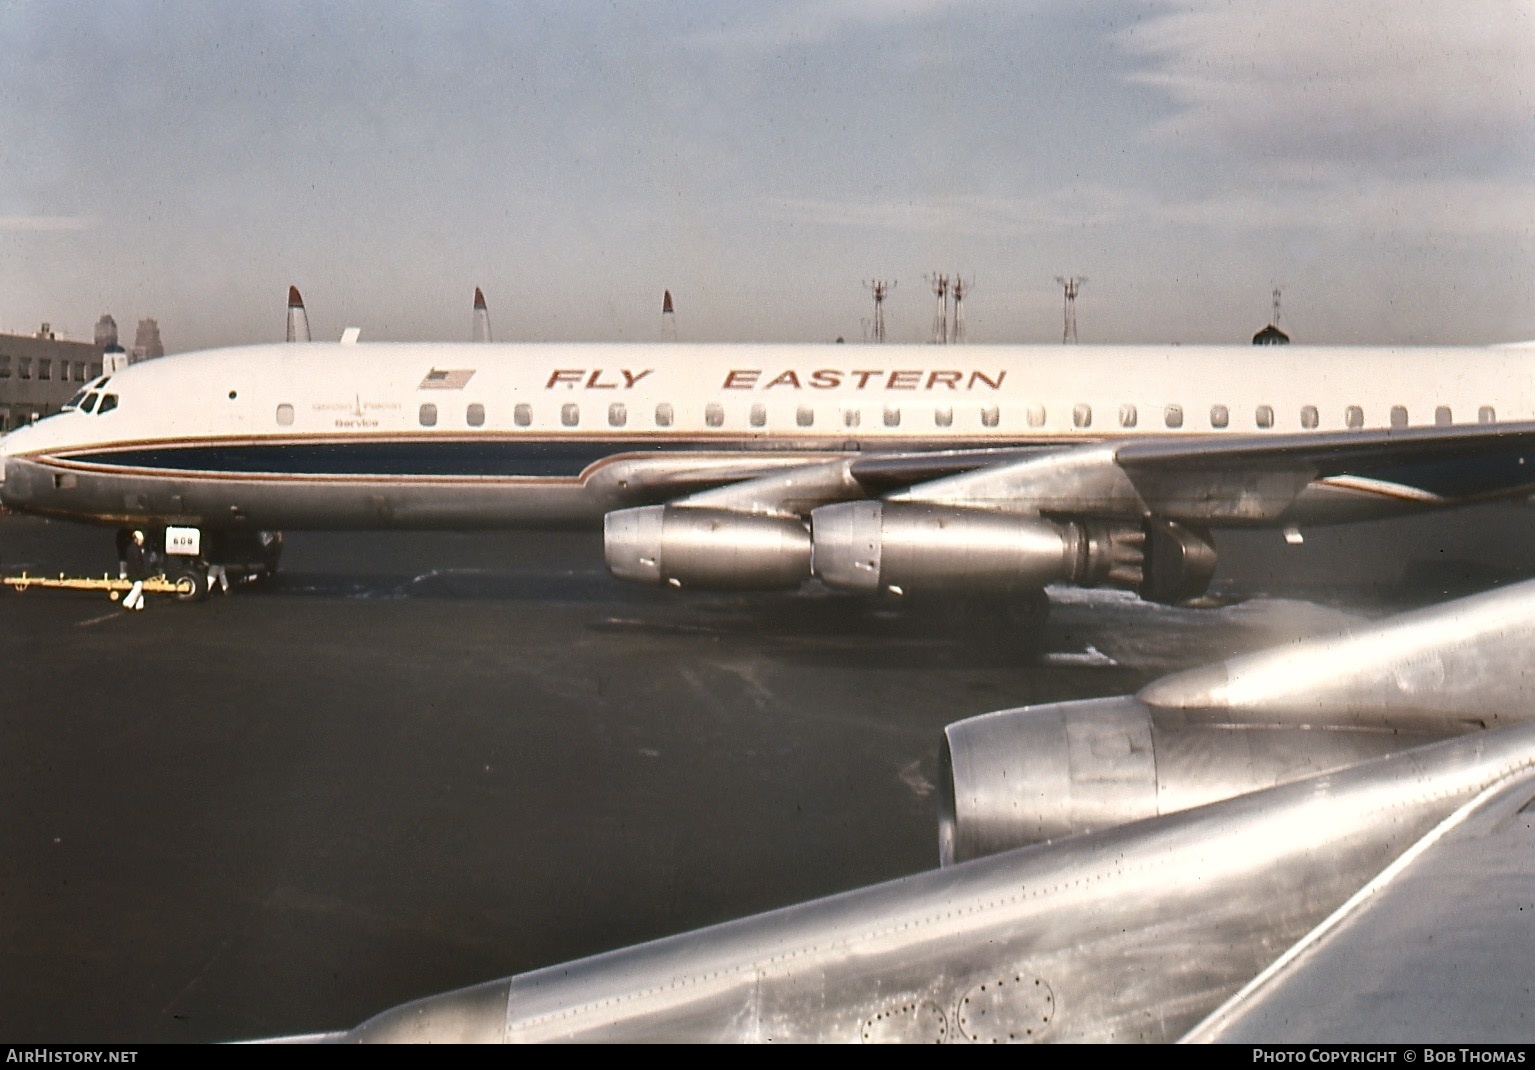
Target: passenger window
[[1127, 416], [1399, 416], [1173, 416], [663, 415], [570, 414], [1442, 416], [1486, 415], [428, 415], [89, 404], [714, 414], [522, 415], [1036, 416], [804, 416], [108, 403], [1353, 417], [892, 417], [1220, 416], [475, 417], [991, 415], [1082, 416], [1309, 417], [618, 415], [285, 415], [759, 415], [1264, 416], [943, 416], [850, 417]]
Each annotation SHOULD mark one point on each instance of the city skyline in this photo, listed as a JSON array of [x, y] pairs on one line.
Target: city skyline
[[190, 162]]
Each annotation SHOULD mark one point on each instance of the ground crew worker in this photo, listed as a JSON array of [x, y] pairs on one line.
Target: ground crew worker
[[138, 571]]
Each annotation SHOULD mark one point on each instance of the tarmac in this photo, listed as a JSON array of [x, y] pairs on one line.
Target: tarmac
[[422, 761]]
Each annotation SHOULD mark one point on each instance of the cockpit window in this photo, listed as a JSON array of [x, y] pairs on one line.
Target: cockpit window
[[99, 383], [89, 404], [108, 403], [73, 403]]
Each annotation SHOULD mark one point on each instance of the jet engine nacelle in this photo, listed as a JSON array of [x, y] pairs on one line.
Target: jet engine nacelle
[[875, 545], [1021, 776], [709, 548], [870, 546]]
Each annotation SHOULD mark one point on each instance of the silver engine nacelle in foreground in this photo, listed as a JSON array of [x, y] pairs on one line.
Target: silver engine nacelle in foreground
[[1022, 776], [870, 546], [710, 548]]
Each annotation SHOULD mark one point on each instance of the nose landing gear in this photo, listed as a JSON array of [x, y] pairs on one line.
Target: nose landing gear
[[199, 562]]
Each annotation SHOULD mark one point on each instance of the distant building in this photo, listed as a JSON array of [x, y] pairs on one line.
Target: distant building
[[1272, 335], [106, 332], [146, 342], [40, 372]]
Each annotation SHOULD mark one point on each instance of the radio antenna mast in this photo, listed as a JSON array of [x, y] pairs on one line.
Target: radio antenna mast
[[880, 289], [1070, 286], [940, 285]]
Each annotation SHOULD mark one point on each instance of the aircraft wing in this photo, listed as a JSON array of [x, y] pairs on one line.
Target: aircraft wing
[[1455, 462], [1440, 457], [1134, 513], [1439, 948]]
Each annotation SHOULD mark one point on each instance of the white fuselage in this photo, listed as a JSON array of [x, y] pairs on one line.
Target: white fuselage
[[583, 428], [931, 393]]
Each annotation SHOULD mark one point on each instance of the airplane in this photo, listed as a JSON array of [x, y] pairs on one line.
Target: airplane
[[911, 473], [1329, 842]]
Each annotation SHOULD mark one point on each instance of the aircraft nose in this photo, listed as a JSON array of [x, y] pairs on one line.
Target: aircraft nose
[[9, 446]]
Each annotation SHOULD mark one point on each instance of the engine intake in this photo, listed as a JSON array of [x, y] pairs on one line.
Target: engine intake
[[709, 548]]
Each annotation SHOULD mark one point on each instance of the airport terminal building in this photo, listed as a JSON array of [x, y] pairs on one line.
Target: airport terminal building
[[39, 373]]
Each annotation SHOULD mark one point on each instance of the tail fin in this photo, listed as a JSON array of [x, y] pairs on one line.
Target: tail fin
[[298, 319], [668, 318], [481, 317]]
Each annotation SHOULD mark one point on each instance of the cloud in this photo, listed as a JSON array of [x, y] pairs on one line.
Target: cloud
[[41, 223], [1380, 81], [970, 215], [1463, 206], [808, 22]]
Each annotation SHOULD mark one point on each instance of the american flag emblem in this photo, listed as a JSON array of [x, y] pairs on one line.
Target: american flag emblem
[[447, 379]]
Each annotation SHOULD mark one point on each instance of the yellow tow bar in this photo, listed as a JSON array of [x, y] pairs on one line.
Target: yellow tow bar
[[182, 586]]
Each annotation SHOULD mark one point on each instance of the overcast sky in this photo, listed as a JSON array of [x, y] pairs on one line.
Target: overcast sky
[[188, 161]]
